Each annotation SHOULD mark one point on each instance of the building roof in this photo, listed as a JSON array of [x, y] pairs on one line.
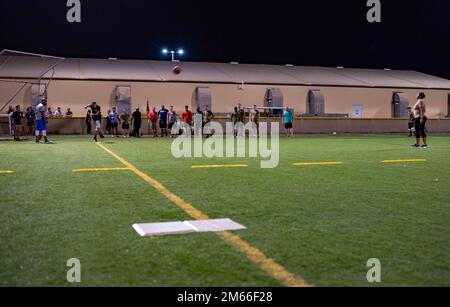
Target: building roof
[[31, 67]]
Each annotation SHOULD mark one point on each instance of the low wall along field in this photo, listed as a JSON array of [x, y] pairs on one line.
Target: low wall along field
[[77, 126]]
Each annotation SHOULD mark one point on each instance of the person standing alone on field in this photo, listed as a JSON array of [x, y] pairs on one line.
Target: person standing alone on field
[[420, 120]]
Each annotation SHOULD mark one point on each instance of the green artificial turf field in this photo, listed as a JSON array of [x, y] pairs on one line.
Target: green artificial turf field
[[319, 222]]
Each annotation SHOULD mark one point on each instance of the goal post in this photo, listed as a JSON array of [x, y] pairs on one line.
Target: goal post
[[20, 71], [5, 125]]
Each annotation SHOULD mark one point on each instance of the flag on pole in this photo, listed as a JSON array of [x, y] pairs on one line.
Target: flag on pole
[[148, 107]]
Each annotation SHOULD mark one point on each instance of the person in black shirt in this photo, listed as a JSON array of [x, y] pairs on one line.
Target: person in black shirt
[[208, 116], [69, 112], [17, 117], [108, 123], [97, 118], [162, 114], [31, 118], [136, 121], [89, 122], [411, 122]]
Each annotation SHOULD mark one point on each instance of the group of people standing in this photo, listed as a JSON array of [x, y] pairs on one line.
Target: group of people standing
[[164, 120], [113, 120], [36, 121], [239, 116]]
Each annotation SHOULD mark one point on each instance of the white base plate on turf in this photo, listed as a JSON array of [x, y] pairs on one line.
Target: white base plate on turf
[[161, 229]]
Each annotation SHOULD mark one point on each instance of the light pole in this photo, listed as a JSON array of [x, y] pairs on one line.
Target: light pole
[[180, 52]]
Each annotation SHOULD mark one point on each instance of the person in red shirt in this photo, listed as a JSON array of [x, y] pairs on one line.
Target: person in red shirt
[[153, 116], [187, 117]]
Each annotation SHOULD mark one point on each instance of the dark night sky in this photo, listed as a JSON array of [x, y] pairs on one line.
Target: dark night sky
[[412, 35]]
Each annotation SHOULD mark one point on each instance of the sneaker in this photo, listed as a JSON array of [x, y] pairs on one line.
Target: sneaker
[[415, 146], [424, 146], [49, 142]]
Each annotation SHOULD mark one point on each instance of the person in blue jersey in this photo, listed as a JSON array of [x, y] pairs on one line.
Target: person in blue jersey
[[162, 114], [41, 122]]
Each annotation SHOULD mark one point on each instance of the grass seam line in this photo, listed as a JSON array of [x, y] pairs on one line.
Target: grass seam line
[[220, 166], [404, 161], [316, 163], [270, 266], [110, 169]]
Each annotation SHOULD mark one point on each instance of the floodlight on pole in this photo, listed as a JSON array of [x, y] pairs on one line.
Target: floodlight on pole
[[180, 52]]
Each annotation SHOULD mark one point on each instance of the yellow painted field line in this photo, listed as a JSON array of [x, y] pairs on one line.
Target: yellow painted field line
[[267, 264], [81, 170], [7, 172], [221, 166], [317, 163], [404, 161]]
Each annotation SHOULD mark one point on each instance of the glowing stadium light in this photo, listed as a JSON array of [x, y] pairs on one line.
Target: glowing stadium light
[[173, 52]]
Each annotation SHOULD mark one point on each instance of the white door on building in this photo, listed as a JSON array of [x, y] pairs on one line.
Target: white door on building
[[357, 111]]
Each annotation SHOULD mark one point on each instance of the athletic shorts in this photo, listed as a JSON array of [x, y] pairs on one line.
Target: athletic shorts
[[41, 125], [98, 125], [171, 126], [288, 125], [114, 125], [162, 125], [18, 128], [125, 126]]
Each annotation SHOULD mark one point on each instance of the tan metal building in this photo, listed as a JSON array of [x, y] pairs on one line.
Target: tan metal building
[[312, 91], [76, 82]]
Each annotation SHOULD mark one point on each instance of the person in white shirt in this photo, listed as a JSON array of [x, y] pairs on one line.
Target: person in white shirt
[[198, 123], [41, 122], [420, 120], [58, 112]]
